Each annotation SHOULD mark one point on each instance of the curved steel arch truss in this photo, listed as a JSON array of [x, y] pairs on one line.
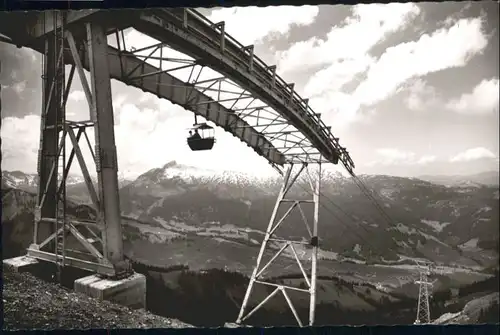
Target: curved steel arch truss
[[215, 77], [186, 30], [259, 94]]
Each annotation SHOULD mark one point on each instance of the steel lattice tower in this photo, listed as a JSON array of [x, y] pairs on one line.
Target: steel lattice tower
[[274, 223], [97, 243], [423, 309]]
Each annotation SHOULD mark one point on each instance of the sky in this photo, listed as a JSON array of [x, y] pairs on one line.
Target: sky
[[410, 89]]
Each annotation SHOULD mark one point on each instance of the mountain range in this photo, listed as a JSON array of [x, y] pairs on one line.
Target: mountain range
[[179, 215], [171, 207], [490, 178]]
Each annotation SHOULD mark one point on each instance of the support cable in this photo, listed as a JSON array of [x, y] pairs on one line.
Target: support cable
[[364, 189], [352, 231]]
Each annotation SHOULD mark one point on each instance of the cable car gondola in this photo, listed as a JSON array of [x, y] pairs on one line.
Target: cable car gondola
[[201, 137]]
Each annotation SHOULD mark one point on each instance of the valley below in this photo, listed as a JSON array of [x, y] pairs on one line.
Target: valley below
[[195, 235]]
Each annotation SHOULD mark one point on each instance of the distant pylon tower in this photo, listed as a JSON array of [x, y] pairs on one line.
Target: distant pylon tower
[[423, 309]]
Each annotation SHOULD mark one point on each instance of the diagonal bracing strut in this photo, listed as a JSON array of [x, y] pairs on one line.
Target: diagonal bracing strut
[[274, 224]]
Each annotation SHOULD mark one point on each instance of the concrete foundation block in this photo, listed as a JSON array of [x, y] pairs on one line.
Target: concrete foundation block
[[21, 264], [235, 325], [130, 292]]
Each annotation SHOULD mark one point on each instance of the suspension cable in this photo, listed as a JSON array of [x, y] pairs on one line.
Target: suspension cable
[[343, 222], [364, 189]]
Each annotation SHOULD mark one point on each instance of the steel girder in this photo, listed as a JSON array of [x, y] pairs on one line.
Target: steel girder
[[277, 123], [190, 32]]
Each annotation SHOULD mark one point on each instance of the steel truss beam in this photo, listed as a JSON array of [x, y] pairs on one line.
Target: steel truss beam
[[99, 243], [208, 44], [191, 93], [270, 236], [258, 103], [193, 34], [236, 101]]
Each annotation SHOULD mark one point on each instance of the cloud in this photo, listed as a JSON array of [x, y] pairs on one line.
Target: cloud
[[119, 100], [482, 100], [77, 96], [422, 97], [249, 25], [19, 87], [473, 154], [20, 139], [352, 40], [426, 159], [345, 62], [396, 155], [341, 109], [445, 48], [393, 156], [336, 75]]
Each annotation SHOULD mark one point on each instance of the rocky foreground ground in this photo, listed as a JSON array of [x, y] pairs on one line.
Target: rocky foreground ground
[[30, 303]]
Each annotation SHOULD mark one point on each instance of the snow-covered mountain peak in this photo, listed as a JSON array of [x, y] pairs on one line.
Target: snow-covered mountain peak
[[15, 179], [29, 181], [333, 175], [189, 174]]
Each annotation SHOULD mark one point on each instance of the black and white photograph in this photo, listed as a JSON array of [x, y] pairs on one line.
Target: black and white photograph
[[299, 166]]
